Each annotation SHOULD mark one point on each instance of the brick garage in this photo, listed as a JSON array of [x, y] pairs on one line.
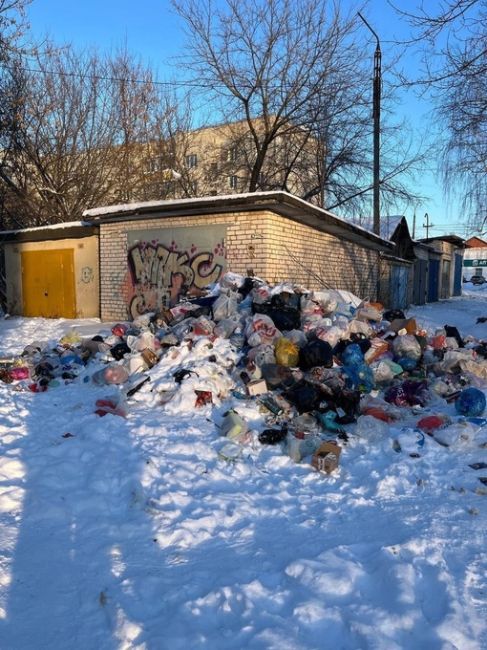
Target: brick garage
[[273, 235]]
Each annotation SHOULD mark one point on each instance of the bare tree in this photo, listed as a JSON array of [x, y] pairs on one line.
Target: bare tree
[[86, 130], [294, 75], [268, 63], [453, 42], [12, 30]]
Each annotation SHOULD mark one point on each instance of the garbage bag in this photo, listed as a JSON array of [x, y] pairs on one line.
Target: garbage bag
[[360, 377], [261, 329], [286, 301], [118, 351], [406, 346], [316, 353], [454, 333], [272, 436], [287, 353], [225, 328], [111, 374], [246, 287], [326, 300], [262, 354], [329, 334], [296, 336], [386, 370], [471, 402], [225, 306], [284, 319], [352, 355], [304, 396], [278, 376], [431, 423], [409, 393], [393, 314], [407, 364]]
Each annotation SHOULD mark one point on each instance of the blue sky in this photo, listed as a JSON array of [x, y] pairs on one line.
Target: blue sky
[[151, 29]]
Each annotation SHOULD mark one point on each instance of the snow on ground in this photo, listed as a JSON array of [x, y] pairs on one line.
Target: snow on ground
[[133, 533]]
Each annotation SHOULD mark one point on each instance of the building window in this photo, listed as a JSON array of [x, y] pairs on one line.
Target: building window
[[154, 165], [192, 160], [232, 155], [233, 181]]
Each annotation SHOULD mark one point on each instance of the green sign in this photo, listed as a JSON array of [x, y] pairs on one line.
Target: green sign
[[475, 262]]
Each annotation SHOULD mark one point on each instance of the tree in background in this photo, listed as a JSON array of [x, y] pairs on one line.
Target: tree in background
[[453, 41], [295, 74], [86, 128], [13, 27]]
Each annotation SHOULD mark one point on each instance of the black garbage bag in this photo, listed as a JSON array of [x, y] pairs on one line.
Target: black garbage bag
[[284, 319], [393, 314], [287, 301], [454, 333], [119, 350], [316, 353], [481, 350], [43, 369], [360, 339], [278, 376], [304, 396], [272, 436], [347, 401], [247, 286]]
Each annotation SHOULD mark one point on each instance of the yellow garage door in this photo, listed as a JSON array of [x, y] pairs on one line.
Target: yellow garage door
[[48, 284]]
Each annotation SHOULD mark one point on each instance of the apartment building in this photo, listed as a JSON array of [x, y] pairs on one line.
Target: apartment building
[[219, 160]]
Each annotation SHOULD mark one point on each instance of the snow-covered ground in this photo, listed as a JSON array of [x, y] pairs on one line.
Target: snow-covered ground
[[133, 533]]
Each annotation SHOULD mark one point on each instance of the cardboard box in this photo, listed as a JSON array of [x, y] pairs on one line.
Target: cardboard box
[[327, 457], [149, 357], [377, 348], [408, 324], [257, 387]]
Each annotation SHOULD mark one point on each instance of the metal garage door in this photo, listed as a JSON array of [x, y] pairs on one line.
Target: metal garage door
[[48, 283]]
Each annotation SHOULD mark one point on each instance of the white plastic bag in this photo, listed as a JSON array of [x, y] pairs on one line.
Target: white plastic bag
[[225, 306]]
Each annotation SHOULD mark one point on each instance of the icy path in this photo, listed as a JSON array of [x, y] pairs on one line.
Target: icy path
[[133, 534]]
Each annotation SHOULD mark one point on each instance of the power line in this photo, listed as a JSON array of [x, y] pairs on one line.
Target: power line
[[78, 75], [167, 84]]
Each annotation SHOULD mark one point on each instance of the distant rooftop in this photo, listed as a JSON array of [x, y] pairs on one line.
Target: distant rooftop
[[388, 224]]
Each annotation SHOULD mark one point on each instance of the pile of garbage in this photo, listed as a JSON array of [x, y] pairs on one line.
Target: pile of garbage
[[318, 366]]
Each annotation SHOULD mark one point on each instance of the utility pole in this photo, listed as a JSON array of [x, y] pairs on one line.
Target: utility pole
[[428, 225], [377, 84], [414, 224]]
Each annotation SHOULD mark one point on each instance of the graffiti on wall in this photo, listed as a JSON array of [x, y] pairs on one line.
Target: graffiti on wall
[[87, 274], [158, 274]]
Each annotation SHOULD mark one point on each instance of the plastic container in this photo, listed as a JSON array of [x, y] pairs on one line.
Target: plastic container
[[233, 426]]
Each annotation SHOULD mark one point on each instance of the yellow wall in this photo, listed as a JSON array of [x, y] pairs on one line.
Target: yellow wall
[[86, 272]]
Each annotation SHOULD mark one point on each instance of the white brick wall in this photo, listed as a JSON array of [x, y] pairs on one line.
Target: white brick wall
[[274, 247]]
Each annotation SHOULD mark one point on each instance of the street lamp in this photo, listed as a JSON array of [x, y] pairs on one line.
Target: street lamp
[[376, 115], [427, 225]]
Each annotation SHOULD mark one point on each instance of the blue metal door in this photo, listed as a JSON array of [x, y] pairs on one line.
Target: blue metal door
[[420, 273], [399, 287], [433, 280], [457, 279]]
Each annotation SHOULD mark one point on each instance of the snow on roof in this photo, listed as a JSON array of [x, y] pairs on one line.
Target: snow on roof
[[388, 224], [279, 196], [167, 203], [52, 226]]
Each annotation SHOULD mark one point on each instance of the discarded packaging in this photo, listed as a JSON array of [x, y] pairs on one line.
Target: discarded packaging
[[327, 457]]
